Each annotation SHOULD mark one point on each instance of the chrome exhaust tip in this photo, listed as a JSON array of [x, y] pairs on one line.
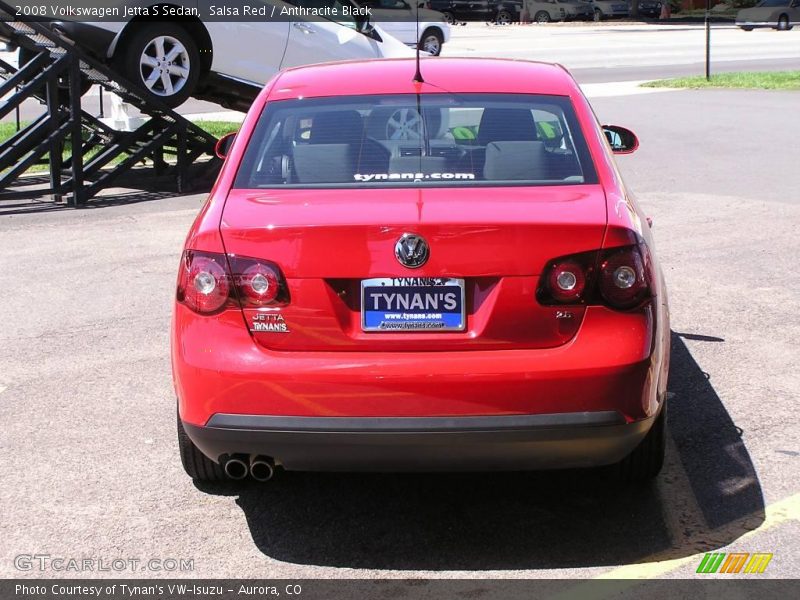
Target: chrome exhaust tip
[[236, 468], [262, 468]]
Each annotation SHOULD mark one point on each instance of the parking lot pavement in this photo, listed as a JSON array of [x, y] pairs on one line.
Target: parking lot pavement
[[86, 397]]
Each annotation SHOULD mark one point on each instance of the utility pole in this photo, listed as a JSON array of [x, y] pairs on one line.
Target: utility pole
[[708, 40]]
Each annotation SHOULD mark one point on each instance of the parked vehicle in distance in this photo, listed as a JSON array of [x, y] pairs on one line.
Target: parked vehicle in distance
[[398, 18], [501, 12], [609, 9], [649, 8], [545, 11], [778, 14], [182, 57], [390, 276]]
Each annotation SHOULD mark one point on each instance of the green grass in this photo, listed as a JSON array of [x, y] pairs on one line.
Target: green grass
[[219, 128], [776, 80], [8, 129], [215, 128], [700, 12]]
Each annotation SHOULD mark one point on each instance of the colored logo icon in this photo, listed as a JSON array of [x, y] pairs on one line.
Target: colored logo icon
[[734, 562]]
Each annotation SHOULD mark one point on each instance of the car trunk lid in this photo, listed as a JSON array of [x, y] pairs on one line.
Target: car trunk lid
[[497, 240]]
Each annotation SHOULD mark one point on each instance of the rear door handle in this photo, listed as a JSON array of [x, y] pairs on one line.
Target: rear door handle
[[305, 27]]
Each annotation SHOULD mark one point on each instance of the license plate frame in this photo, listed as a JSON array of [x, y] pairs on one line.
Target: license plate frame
[[415, 320]]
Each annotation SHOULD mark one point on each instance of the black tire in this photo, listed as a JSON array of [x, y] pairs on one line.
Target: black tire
[[598, 15], [504, 18], [646, 460], [129, 62], [196, 464], [783, 23], [745, 28], [449, 17], [542, 17], [25, 56], [433, 39]]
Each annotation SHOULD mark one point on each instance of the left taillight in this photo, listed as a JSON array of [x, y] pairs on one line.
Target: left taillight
[[258, 283], [208, 282], [203, 281]]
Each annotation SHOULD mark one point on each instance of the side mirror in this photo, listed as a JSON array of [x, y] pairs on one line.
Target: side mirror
[[621, 140], [224, 145]]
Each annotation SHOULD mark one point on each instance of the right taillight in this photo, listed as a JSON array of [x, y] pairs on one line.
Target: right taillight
[[618, 277], [209, 282], [623, 278]]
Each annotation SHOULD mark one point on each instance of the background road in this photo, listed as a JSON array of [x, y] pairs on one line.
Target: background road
[[595, 53], [609, 52], [91, 463]]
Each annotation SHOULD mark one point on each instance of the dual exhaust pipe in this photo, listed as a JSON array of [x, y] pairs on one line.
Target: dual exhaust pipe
[[260, 468]]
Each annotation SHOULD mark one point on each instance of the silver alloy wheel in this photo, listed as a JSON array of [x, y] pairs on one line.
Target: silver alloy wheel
[[404, 124], [431, 44], [598, 16], [165, 66], [542, 17]]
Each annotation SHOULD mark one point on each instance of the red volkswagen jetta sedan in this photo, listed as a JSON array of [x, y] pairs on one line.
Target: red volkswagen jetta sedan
[[393, 274]]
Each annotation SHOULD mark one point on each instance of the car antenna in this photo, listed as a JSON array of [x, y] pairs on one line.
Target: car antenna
[[418, 75]]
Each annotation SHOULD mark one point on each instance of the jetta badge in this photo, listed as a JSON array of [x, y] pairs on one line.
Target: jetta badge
[[411, 250]]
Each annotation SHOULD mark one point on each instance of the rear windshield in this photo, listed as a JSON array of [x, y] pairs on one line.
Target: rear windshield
[[410, 141]]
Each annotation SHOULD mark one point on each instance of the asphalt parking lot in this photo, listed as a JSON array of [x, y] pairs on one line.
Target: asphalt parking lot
[[91, 463]]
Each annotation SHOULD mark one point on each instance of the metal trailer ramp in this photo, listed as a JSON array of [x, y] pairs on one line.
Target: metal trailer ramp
[[98, 154]]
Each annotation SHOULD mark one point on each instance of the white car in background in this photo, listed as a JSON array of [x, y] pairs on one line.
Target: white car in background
[[397, 18], [608, 9], [778, 14], [225, 61]]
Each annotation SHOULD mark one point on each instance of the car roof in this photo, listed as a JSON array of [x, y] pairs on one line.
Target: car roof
[[395, 76]]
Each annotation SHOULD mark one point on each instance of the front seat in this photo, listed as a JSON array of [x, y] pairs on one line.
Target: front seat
[[513, 150], [506, 125], [338, 149], [337, 127]]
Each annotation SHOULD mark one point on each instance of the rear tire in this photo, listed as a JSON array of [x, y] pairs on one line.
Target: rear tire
[[744, 28], [449, 17], [196, 464], [542, 17], [783, 23], [646, 460], [504, 18], [598, 15]]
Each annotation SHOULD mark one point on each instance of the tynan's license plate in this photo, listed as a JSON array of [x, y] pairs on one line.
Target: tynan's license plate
[[412, 304]]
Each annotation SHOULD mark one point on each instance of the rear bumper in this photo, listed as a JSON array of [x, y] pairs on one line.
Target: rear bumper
[[515, 442], [616, 363]]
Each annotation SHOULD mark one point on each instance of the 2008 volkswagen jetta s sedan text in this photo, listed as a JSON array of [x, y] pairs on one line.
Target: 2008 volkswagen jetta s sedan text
[[393, 274]]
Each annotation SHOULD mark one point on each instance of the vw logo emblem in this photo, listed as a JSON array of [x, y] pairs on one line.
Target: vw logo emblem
[[411, 250]]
